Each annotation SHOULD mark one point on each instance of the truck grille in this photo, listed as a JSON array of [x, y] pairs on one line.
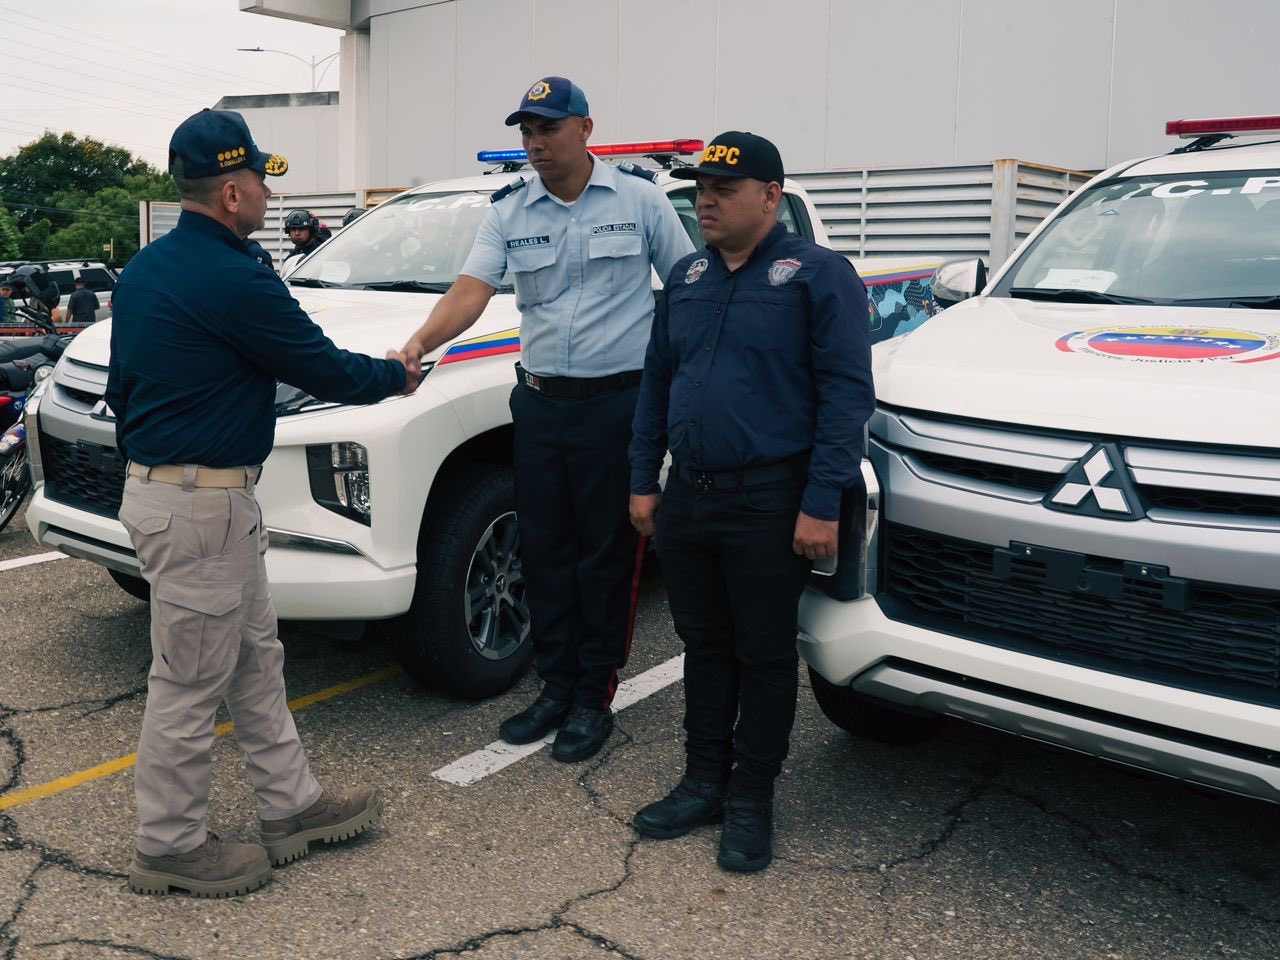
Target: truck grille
[[84, 475], [1225, 640]]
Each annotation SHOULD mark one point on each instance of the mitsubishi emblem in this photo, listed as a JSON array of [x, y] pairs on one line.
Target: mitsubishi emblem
[[1099, 485]]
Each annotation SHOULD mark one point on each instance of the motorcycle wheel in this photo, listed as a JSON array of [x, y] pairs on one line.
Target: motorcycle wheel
[[15, 483]]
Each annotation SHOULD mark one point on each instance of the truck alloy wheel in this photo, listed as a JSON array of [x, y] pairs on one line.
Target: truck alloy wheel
[[467, 629], [15, 481]]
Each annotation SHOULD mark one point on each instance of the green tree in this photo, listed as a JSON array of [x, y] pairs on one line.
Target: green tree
[[35, 238], [63, 164], [109, 218], [10, 240]]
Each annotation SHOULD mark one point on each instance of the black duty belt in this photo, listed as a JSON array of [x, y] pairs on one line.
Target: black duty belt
[[577, 388], [796, 468]]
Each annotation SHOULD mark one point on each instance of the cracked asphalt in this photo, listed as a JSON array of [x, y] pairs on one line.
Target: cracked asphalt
[[970, 845]]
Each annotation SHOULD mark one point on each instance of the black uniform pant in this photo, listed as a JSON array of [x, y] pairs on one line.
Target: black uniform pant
[[581, 554], [734, 584]]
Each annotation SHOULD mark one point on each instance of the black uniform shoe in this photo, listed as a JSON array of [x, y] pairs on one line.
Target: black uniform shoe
[[693, 803], [746, 843], [535, 721], [583, 734]]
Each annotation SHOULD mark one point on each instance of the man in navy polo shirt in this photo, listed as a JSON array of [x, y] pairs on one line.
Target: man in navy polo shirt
[[201, 333], [758, 380]]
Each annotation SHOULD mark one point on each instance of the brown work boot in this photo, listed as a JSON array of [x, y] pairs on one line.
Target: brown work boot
[[334, 817], [213, 869]]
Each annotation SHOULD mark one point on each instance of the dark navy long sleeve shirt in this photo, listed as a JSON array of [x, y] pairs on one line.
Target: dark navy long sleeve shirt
[[201, 332], [758, 365]]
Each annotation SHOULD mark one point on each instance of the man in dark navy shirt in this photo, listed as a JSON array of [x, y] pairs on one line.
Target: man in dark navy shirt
[[201, 333], [758, 380], [82, 307]]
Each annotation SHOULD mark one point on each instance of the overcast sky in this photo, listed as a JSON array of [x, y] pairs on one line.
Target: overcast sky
[[128, 71]]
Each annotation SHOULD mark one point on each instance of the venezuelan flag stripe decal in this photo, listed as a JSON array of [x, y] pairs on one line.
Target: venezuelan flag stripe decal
[[490, 345]]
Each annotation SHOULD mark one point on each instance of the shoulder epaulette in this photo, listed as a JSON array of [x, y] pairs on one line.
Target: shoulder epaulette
[[644, 173], [519, 183]]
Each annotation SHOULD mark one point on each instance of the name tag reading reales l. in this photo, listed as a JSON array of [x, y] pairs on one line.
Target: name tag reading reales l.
[[519, 242]]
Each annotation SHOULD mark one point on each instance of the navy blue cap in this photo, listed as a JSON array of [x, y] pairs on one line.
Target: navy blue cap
[[213, 142], [554, 97]]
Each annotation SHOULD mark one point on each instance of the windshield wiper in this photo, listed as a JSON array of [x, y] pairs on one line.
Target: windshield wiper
[[311, 282], [419, 286], [1072, 296], [1267, 302]]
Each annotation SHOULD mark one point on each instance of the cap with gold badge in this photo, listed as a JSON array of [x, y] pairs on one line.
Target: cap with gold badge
[[212, 142], [551, 97]]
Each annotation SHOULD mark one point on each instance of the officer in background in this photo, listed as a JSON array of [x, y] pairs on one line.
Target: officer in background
[[758, 380], [306, 231], [580, 239], [202, 332]]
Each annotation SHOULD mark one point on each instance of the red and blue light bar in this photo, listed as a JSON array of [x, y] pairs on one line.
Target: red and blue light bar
[[1222, 126], [643, 148]]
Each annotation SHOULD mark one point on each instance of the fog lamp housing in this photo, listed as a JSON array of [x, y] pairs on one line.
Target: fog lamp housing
[[339, 477]]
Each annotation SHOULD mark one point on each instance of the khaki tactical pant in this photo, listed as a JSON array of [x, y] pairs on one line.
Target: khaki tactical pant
[[213, 639]]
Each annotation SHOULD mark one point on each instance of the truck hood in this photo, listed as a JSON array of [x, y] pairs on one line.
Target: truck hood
[[1198, 375], [362, 321]]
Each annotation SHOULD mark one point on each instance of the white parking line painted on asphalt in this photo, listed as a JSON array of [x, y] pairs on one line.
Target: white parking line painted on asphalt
[[474, 767], [28, 561]]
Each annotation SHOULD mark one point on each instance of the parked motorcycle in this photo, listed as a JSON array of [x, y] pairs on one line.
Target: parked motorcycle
[[23, 365]]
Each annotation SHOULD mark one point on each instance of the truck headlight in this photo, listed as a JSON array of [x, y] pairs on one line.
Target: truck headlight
[[31, 420], [339, 475]]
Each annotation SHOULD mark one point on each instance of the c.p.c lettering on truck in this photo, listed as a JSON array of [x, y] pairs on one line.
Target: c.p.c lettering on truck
[[403, 511], [1070, 527]]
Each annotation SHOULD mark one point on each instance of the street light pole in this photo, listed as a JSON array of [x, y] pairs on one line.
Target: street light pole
[[312, 63]]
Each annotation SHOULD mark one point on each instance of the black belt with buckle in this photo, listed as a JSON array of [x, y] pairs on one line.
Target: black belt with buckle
[[577, 388], [796, 468]]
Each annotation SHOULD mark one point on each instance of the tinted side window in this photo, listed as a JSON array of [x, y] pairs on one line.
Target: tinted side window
[[64, 279], [683, 200], [97, 280], [793, 215]]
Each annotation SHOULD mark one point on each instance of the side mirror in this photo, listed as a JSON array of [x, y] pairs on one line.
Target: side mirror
[[958, 280]]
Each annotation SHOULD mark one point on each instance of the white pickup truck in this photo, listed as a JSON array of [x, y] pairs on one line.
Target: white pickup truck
[[400, 511], [1070, 528]]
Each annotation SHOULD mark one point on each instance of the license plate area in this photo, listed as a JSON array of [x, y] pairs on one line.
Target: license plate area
[[1101, 577]]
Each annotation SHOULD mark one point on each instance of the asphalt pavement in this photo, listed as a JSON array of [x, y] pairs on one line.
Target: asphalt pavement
[[971, 845]]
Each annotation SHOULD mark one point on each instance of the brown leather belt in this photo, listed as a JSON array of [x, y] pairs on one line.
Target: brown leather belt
[[220, 477]]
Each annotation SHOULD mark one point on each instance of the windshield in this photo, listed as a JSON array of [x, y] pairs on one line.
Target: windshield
[[415, 241], [1205, 239]]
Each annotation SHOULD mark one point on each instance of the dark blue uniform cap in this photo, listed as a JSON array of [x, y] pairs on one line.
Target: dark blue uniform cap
[[554, 97], [737, 154], [213, 142]]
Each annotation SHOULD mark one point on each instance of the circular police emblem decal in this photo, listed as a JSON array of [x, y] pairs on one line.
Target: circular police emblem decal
[[780, 271], [1172, 344], [539, 91], [696, 270]]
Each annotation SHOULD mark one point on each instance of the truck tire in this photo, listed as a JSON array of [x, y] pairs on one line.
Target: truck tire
[[868, 718], [467, 629], [15, 483], [134, 586]]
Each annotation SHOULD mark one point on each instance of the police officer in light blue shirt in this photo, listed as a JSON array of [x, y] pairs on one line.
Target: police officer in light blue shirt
[[580, 239]]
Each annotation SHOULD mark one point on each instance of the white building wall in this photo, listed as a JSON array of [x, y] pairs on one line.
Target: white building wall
[[307, 136], [835, 83]]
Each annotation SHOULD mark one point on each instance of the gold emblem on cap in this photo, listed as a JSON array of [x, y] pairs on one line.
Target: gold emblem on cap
[[539, 91], [276, 165]]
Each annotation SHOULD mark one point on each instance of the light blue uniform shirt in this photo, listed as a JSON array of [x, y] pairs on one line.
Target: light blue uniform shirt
[[582, 269]]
